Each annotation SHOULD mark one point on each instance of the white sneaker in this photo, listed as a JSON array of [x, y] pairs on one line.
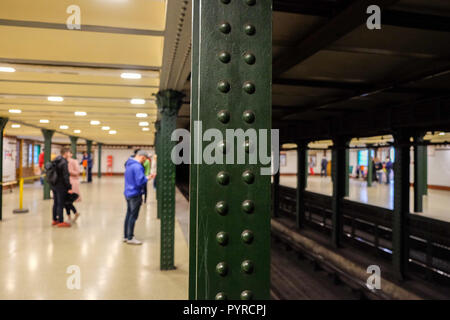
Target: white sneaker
[[134, 241], [125, 239]]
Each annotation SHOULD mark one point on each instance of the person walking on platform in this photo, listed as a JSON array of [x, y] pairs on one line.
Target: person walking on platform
[[323, 168], [60, 186], [74, 172], [41, 165], [388, 166], [88, 163], [135, 180]]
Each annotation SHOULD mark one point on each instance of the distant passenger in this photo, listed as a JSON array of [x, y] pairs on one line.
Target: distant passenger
[[74, 172], [153, 170], [389, 166], [41, 164], [60, 186], [323, 167], [147, 174], [87, 164], [135, 180], [378, 170]]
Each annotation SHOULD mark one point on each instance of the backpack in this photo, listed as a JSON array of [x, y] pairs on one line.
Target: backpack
[[51, 173]]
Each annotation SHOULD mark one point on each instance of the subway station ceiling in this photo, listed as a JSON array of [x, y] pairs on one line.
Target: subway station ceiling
[[83, 67]]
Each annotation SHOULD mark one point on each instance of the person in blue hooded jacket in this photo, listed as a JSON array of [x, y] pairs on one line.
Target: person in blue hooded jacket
[[135, 181]]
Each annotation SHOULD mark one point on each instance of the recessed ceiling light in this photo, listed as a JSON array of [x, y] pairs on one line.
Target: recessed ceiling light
[[77, 131], [15, 126], [105, 128], [143, 124], [146, 129], [112, 131], [44, 121], [95, 122], [7, 69], [129, 75], [64, 127], [80, 113], [55, 99], [137, 101], [442, 133], [15, 111], [141, 115]]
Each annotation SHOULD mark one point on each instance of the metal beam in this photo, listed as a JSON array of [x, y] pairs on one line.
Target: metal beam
[[301, 181], [419, 172], [343, 23], [73, 146], [3, 122], [323, 8], [99, 160], [48, 134], [415, 20]]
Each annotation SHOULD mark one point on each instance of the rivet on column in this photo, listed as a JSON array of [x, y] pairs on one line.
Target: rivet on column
[[222, 208], [248, 206], [223, 116]]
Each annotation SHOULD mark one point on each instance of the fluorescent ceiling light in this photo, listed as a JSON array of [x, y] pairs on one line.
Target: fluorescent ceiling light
[[55, 99], [15, 111], [77, 131], [143, 124], [106, 128], [146, 129], [44, 121], [440, 133], [137, 101], [7, 69], [95, 122], [15, 126], [112, 131], [129, 75], [80, 113], [141, 115], [64, 127]]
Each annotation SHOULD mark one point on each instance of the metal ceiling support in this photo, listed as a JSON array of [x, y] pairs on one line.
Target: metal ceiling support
[[73, 146], [338, 177], [230, 203], [169, 102], [400, 251], [416, 20], [158, 166], [302, 173], [309, 7], [344, 22], [420, 168], [99, 160], [48, 134], [3, 122], [89, 152]]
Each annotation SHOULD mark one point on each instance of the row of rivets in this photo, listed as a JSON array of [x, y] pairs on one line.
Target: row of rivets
[[223, 177], [224, 116]]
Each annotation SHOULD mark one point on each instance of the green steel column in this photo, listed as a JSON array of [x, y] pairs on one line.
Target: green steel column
[[73, 146], [419, 179], [276, 194], [301, 182], [3, 122], [99, 160], [169, 102], [425, 170], [400, 235], [369, 167], [338, 175], [48, 134], [347, 172], [89, 152], [158, 165], [230, 203]]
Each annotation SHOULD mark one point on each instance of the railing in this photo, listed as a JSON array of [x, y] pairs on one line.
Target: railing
[[370, 227]]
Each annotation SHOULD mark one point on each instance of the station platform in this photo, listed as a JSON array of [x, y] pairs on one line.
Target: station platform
[[435, 204], [34, 256]]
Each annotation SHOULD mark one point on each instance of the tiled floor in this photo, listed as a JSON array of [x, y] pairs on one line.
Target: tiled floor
[[34, 256]]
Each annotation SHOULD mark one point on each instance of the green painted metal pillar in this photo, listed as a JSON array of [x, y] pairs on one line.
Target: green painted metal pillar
[[419, 172], [73, 146], [3, 122], [340, 144], [230, 203], [169, 102], [369, 167], [158, 165], [99, 160], [301, 182], [425, 169], [276, 192], [400, 216], [48, 134], [347, 172]]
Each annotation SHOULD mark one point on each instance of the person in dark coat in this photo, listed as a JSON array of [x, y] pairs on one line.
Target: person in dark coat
[[61, 188]]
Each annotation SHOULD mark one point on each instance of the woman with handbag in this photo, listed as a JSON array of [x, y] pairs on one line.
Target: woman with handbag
[[74, 195]]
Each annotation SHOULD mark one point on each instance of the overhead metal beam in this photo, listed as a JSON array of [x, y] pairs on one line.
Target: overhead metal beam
[[323, 8], [416, 20], [344, 22]]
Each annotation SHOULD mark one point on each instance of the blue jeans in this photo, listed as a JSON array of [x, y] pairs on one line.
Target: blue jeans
[[133, 206]]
